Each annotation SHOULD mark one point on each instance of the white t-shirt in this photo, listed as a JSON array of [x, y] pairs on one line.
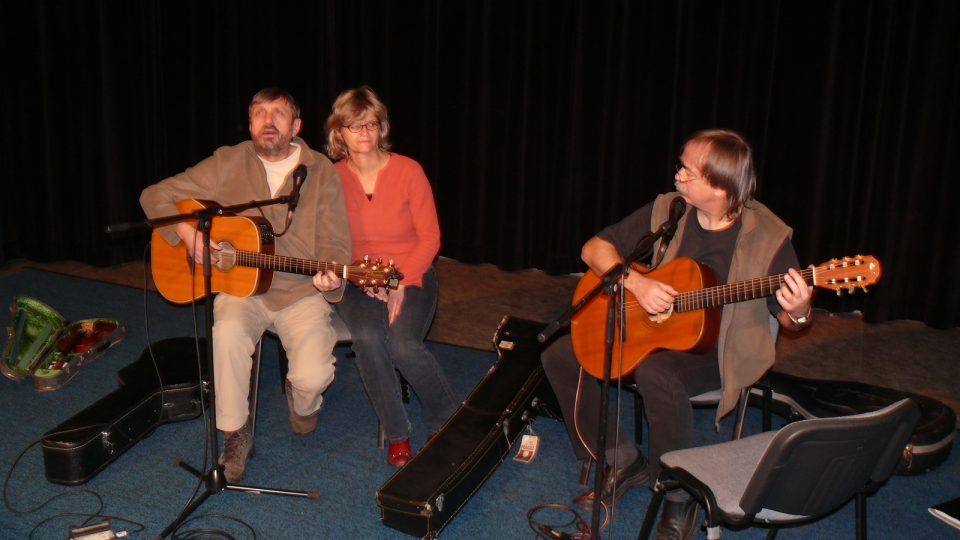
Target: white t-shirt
[[277, 171]]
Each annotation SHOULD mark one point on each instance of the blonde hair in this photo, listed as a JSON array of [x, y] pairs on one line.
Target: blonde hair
[[350, 106]]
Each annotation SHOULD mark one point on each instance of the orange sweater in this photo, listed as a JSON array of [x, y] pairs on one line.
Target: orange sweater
[[399, 222]]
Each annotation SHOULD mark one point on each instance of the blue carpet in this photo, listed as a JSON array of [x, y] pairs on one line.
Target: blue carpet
[[341, 461]]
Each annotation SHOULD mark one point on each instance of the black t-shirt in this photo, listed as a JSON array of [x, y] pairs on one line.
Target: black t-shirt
[[711, 248]]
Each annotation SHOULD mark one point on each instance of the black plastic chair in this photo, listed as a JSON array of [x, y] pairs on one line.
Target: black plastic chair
[[799, 473]]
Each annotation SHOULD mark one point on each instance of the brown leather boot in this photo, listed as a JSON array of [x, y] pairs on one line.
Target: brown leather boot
[[237, 449], [302, 426]]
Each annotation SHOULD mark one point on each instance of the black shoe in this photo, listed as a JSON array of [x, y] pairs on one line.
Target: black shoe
[[616, 484], [678, 521]]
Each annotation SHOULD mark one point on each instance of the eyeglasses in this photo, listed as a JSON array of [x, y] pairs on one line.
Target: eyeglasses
[[684, 173], [369, 126]]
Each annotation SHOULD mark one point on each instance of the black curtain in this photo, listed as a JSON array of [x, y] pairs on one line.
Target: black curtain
[[537, 122]]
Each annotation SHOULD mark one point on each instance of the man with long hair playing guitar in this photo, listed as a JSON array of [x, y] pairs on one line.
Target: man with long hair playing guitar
[[732, 236]]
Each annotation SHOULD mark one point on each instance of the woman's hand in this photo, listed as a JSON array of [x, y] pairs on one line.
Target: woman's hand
[[395, 303], [394, 300], [380, 294]]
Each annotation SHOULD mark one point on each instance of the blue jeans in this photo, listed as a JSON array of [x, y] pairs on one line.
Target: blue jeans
[[382, 349]]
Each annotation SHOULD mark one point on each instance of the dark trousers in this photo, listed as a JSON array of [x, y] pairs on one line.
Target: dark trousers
[[666, 380], [382, 349]]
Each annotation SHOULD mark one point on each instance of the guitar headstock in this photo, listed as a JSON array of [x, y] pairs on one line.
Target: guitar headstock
[[848, 273], [373, 273]]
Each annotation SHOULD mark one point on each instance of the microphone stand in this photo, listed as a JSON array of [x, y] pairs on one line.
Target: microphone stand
[[610, 284], [214, 479]]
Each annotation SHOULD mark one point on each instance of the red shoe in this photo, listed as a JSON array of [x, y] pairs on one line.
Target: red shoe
[[399, 453]]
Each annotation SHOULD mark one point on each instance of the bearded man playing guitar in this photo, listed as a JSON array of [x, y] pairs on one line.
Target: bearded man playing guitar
[[296, 306], [736, 238]]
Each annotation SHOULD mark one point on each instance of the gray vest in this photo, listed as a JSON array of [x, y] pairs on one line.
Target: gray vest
[[746, 346]]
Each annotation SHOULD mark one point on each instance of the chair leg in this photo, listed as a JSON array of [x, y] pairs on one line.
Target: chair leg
[[658, 493], [767, 406], [404, 388], [741, 413], [585, 472], [772, 532], [638, 418], [861, 516], [253, 394], [284, 366]]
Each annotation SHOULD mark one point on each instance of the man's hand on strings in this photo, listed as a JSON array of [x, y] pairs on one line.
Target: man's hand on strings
[[795, 296], [327, 281], [652, 295], [193, 240]]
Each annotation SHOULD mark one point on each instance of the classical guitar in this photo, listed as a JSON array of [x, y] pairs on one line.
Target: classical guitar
[[693, 321], [247, 261]]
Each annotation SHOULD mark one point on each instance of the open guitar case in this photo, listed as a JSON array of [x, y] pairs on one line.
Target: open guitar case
[[149, 395], [797, 398], [43, 346]]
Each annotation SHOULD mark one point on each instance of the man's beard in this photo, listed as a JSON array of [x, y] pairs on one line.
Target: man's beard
[[278, 148]]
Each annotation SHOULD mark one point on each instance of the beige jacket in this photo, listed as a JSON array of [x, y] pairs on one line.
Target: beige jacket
[[746, 346], [233, 175]]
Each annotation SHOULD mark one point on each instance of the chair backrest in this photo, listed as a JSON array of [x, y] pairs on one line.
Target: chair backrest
[[812, 467]]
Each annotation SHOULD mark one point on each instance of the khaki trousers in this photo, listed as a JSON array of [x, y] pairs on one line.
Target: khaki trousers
[[306, 334]]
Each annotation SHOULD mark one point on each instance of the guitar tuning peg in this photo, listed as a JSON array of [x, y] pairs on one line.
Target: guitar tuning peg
[[390, 262], [379, 261], [839, 292], [366, 258]]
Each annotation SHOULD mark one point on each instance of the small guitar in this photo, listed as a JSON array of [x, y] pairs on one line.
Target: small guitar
[[693, 321], [247, 261]]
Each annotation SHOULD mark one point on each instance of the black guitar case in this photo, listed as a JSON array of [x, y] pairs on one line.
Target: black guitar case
[[422, 497], [796, 398], [80, 447]]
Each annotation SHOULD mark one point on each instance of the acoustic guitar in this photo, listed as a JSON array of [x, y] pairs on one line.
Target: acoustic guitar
[[692, 323], [247, 261]]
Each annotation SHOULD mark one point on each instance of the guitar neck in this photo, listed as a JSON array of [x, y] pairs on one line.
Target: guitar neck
[[730, 293], [289, 265]]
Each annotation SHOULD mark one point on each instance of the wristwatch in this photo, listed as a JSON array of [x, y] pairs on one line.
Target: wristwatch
[[799, 321]]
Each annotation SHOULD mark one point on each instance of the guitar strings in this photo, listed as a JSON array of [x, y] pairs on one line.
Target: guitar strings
[[733, 292]]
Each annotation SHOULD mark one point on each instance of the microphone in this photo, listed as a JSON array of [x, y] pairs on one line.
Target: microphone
[[299, 175], [678, 207], [125, 227]]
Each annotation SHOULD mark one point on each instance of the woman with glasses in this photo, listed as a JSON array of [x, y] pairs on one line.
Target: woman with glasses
[[393, 216]]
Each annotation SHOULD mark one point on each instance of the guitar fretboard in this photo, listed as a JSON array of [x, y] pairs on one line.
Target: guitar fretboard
[[740, 291], [289, 265]]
